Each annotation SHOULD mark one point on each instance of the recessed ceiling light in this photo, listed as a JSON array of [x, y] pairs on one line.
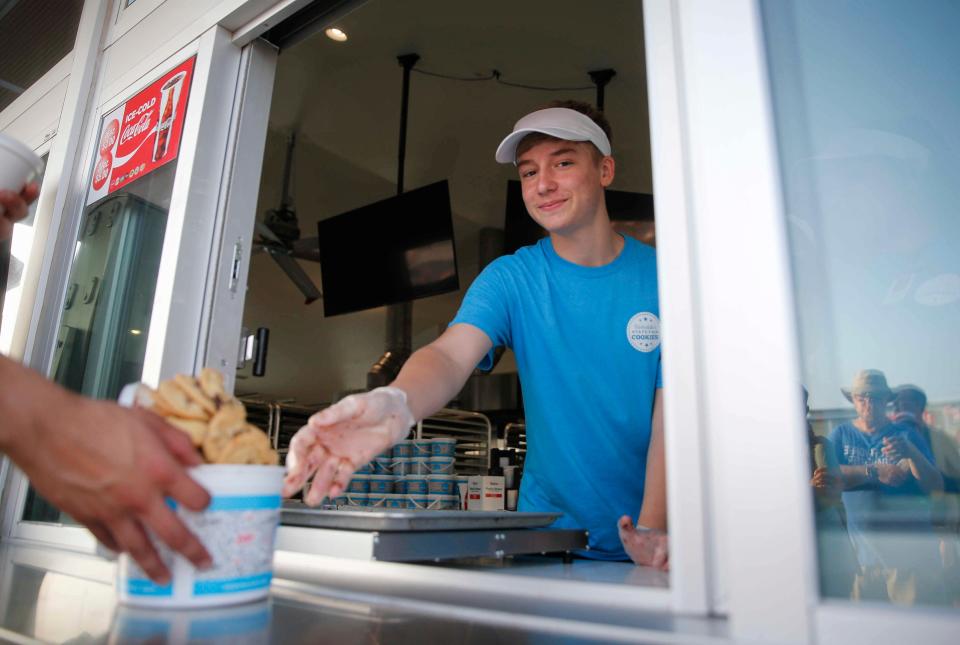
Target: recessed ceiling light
[[336, 34], [135, 332]]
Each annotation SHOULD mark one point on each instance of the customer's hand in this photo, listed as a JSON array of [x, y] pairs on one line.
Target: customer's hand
[[14, 207], [343, 437], [891, 474], [646, 547], [111, 468], [827, 481]]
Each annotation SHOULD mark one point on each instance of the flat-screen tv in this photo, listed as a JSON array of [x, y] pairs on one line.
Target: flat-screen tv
[[395, 250], [520, 229]]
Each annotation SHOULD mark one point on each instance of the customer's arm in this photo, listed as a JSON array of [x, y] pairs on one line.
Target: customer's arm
[[110, 468]]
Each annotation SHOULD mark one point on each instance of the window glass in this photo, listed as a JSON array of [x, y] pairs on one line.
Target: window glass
[[867, 113], [106, 313], [34, 36]]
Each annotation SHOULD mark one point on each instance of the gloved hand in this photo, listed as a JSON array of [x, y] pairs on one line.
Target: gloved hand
[[646, 547], [347, 435]]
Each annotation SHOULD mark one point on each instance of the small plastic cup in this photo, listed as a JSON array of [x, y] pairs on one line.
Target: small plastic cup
[[415, 484], [437, 502], [443, 447], [18, 164], [376, 500], [238, 528], [400, 466], [395, 501], [441, 465], [366, 469], [422, 447], [419, 466], [417, 502], [442, 484], [381, 484], [403, 449], [357, 499], [359, 484], [383, 466]]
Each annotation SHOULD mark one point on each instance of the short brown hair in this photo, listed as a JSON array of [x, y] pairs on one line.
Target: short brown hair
[[582, 107]]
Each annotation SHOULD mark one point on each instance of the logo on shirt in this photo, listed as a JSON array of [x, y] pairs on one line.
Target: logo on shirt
[[643, 331]]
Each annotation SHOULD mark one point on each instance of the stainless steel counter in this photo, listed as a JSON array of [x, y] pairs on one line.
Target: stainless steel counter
[[52, 595]]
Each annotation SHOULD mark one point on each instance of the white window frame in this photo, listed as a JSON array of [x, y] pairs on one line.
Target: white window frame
[[711, 107], [174, 333]]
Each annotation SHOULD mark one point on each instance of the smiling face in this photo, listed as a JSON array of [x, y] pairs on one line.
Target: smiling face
[[562, 184]]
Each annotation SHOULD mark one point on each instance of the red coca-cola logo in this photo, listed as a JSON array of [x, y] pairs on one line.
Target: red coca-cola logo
[[101, 172], [109, 136]]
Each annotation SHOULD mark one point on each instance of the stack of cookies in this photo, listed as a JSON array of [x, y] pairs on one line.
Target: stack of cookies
[[215, 421]]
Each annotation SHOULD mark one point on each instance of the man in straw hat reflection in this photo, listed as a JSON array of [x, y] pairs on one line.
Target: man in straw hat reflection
[[888, 473]]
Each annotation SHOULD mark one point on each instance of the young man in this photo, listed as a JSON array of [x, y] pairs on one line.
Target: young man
[[580, 310], [107, 467]]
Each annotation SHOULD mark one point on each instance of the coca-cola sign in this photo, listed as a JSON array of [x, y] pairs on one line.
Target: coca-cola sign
[[142, 134]]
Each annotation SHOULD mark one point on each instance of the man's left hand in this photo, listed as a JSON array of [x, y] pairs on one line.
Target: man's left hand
[[897, 448], [646, 547]]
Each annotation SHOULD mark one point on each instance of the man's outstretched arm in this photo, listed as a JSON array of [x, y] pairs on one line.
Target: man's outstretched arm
[[341, 438]]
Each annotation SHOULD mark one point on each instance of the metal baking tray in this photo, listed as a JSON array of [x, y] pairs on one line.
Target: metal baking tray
[[298, 514]]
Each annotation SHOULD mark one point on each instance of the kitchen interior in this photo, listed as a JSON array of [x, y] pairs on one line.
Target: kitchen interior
[[419, 95]]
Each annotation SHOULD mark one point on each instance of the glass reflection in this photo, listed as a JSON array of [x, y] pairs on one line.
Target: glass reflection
[[865, 99]]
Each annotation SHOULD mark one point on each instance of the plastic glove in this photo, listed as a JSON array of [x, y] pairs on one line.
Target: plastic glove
[[339, 439], [646, 547]]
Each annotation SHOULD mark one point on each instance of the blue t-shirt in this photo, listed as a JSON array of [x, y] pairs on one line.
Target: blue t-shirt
[[871, 507], [587, 344]]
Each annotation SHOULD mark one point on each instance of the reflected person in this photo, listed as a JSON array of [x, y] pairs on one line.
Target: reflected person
[[838, 563], [888, 473], [910, 408]]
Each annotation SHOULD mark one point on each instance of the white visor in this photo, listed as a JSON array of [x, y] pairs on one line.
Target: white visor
[[562, 123]]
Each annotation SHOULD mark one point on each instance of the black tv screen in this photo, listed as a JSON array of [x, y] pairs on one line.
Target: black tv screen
[[395, 250], [519, 229]]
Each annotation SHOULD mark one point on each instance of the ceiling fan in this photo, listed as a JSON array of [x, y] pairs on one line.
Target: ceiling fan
[[279, 235]]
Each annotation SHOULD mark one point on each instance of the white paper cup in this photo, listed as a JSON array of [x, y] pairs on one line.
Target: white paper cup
[[18, 164], [238, 528]]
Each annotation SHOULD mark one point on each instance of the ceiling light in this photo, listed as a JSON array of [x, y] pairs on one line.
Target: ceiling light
[[135, 332], [336, 34]]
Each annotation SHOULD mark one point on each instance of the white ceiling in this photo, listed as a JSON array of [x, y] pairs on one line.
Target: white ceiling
[[344, 98]]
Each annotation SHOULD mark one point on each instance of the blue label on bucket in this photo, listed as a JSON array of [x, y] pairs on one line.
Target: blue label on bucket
[[232, 585], [244, 502], [142, 587]]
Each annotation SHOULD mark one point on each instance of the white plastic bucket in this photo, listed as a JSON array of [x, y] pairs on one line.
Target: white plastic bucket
[[415, 485], [442, 484], [359, 484], [417, 502], [422, 447], [443, 447], [238, 529], [441, 465], [381, 484], [18, 164]]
